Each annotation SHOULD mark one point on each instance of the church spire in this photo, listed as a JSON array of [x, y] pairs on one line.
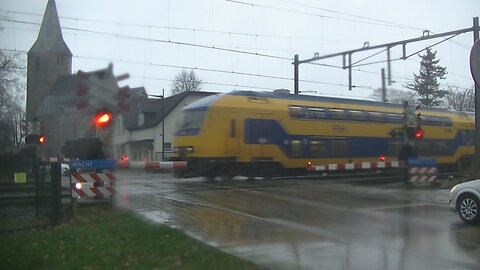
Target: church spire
[[50, 37]]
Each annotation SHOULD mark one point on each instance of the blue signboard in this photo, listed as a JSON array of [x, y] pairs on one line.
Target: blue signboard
[[93, 164], [422, 162]]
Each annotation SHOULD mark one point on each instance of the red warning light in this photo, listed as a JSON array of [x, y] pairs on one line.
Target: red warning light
[[419, 134], [103, 119], [41, 139], [382, 157]]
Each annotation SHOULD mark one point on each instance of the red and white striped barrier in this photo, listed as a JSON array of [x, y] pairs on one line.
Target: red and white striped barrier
[[159, 165], [98, 185], [422, 174], [354, 166]]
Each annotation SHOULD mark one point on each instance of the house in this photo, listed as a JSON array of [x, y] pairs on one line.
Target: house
[[146, 132], [52, 101]]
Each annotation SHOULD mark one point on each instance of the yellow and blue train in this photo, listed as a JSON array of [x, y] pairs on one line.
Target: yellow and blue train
[[275, 133]]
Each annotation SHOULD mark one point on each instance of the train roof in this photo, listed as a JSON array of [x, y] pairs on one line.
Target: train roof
[[286, 95], [206, 102]]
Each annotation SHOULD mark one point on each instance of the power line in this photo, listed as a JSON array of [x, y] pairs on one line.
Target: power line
[[164, 41], [355, 16], [190, 29], [316, 14]]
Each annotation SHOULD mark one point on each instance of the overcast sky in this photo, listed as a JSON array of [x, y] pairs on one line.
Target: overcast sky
[[248, 44]]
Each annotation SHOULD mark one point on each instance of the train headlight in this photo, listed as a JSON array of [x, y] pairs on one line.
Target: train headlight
[[190, 149]]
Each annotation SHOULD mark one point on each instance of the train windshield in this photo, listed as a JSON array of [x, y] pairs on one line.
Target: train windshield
[[190, 122]]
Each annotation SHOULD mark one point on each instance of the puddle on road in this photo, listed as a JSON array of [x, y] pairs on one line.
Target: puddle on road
[[381, 238]]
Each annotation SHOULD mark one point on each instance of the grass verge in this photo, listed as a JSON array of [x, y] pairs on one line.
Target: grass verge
[[102, 238]]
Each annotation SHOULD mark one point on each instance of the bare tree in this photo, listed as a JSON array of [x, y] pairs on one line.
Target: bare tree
[[11, 100], [186, 81], [460, 99]]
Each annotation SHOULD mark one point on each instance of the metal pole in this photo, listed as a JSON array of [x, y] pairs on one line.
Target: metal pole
[[295, 74], [389, 67], [349, 71], [384, 88], [163, 124], [477, 97], [56, 193]]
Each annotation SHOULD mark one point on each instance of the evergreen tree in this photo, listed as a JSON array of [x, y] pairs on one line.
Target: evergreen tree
[[426, 83]]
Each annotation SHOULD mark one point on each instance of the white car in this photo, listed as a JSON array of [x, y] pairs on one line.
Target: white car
[[465, 200]]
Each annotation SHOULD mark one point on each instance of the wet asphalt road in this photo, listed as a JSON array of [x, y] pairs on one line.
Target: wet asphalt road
[[310, 224]]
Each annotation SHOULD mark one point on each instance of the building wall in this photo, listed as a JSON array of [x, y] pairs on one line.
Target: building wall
[[43, 68], [147, 143]]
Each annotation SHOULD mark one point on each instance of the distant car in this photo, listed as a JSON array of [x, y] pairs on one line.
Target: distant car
[[465, 200]]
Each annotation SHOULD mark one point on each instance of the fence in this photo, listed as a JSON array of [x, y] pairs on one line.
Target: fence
[[30, 194]]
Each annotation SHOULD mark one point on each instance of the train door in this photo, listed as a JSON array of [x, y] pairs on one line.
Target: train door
[[258, 134], [233, 136]]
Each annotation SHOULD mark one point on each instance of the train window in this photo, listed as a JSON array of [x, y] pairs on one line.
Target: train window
[[297, 112], [339, 148], [190, 121], [357, 115], [232, 128], [439, 147], [467, 137], [394, 148], [338, 114], [296, 147], [317, 148], [424, 148], [375, 116], [436, 121], [317, 113], [393, 117]]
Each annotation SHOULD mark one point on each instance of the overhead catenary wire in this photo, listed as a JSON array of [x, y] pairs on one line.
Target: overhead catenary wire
[[220, 48], [164, 41]]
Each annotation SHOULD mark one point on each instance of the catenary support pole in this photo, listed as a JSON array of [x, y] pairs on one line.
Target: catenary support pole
[[477, 97], [295, 75]]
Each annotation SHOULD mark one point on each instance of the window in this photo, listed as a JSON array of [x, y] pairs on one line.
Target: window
[[296, 147], [297, 112], [357, 115], [191, 120], [394, 118], [338, 114], [232, 128], [339, 148], [424, 148], [317, 113], [375, 116], [394, 148], [317, 148], [60, 60], [440, 147], [37, 63]]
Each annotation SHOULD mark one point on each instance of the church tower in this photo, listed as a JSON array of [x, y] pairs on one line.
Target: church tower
[[48, 58]]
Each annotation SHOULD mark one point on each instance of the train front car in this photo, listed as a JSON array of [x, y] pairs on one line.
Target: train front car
[[193, 141], [228, 135]]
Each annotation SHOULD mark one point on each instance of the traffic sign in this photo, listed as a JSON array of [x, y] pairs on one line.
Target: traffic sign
[[93, 164], [422, 162]]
